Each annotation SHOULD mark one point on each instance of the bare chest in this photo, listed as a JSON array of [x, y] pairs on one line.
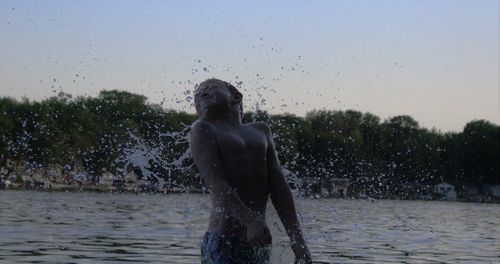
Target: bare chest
[[243, 156], [245, 145]]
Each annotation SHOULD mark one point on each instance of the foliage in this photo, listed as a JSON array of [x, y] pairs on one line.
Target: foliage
[[391, 158]]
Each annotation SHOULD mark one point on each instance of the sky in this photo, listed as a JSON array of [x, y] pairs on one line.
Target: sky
[[437, 61]]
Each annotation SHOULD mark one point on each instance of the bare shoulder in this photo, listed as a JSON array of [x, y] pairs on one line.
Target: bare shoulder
[[261, 126], [202, 128]]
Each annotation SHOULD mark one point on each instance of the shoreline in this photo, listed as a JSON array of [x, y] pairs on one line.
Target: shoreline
[[95, 189]]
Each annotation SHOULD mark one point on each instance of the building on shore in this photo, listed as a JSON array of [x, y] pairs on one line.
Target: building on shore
[[494, 191], [445, 191]]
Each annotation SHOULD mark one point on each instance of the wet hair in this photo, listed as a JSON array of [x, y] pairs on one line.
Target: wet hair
[[231, 88]]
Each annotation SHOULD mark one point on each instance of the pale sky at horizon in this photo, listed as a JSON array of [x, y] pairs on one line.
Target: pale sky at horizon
[[437, 61]]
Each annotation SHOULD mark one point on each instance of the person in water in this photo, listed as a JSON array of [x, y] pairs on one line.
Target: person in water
[[238, 163]]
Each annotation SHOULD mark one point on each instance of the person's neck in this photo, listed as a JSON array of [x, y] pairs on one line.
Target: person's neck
[[231, 118]]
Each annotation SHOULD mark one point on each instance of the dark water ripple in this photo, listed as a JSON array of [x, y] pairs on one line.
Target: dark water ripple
[[151, 228]]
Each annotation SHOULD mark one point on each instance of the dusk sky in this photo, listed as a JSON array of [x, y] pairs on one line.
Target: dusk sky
[[437, 61]]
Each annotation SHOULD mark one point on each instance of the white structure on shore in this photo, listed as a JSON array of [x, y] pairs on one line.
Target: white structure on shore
[[494, 191], [446, 191]]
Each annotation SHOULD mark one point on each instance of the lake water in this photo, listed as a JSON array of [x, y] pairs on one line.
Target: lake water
[[39, 227]]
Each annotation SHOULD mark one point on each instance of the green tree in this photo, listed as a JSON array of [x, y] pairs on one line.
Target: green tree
[[481, 146]]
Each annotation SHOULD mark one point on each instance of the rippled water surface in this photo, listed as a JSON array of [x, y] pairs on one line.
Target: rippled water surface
[[37, 227]]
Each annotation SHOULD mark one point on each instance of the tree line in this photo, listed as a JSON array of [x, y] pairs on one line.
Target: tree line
[[383, 158]]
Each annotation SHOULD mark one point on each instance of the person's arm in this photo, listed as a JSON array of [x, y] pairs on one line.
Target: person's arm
[[282, 199], [206, 157]]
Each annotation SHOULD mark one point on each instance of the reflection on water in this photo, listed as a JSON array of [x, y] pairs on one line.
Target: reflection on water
[[115, 228]]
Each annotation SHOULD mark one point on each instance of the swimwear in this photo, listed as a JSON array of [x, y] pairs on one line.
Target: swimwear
[[218, 249]]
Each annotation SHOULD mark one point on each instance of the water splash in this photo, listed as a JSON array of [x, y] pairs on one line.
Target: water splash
[[159, 164]]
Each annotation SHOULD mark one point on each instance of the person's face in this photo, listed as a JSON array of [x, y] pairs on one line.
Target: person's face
[[212, 95]]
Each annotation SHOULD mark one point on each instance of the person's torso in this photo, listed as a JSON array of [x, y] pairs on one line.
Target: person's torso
[[243, 156]]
